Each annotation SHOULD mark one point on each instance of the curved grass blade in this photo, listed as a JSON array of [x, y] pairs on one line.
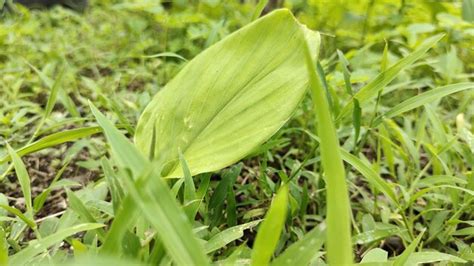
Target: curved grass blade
[[304, 250], [371, 90], [36, 247], [223, 238], [53, 140], [431, 257], [424, 98], [371, 176], [20, 215], [23, 179], [270, 230]]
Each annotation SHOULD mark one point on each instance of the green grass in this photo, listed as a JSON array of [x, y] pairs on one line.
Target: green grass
[[372, 164]]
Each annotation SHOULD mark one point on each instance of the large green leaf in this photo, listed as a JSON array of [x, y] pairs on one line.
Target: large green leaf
[[230, 98]]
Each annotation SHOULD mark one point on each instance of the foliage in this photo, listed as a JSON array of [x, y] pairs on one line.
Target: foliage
[[394, 95]]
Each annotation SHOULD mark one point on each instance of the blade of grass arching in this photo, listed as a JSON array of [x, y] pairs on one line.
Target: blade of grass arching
[[165, 54], [25, 256], [424, 98], [123, 151], [76, 204], [304, 250], [339, 244], [259, 9], [54, 139], [403, 258], [371, 90], [151, 193], [365, 170], [20, 215], [371, 176], [225, 237], [270, 230], [23, 179]]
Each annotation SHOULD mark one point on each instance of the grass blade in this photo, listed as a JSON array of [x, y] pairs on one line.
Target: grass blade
[[431, 257], [403, 258], [303, 251], [20, 215], [223, 238], [424, 98], [154, 198], [26, 255], [53, 140], [370, 175], [371, 90], [270, 229], [78, 206], [23, 179], [259, 9], [53, 95], [339, 244]]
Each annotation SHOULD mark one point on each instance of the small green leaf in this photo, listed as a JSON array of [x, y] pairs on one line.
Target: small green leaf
[[270, 230], [225, 237], [375, 255], [303, 251]]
